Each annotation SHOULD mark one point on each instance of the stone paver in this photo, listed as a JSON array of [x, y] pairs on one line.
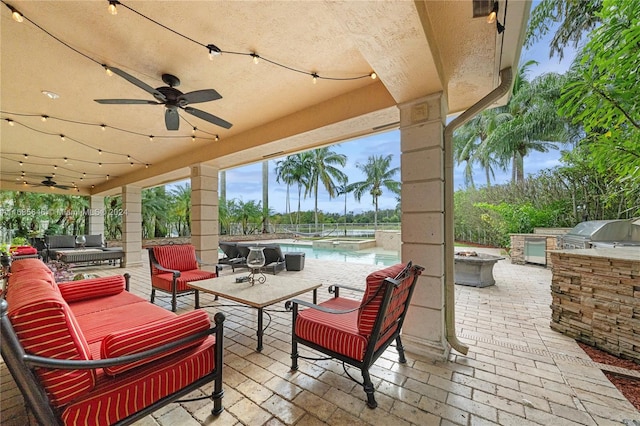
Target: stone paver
[[517, 372]]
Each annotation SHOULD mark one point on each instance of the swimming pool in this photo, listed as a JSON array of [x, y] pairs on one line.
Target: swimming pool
[[369, 256]]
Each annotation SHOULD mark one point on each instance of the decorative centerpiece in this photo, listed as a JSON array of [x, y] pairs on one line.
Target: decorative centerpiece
[[81, 240], [255, 261]]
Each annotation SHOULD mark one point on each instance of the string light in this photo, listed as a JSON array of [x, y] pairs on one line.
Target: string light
[[99, 152], [255, 57], [66, 159], [55, 167], [112, 7], [150, 138], [10, 121], [44, 118], [194, 131], [217, 138], [146, 166], [107, 177], [373, 76], [103, 127], [20, 162], [315, 77], [99, 164], [15, 14], [193, 138], [62, 137], [26, 156], [213, 51]]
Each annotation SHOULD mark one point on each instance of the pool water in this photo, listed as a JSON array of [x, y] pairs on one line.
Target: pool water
[[369, 256]]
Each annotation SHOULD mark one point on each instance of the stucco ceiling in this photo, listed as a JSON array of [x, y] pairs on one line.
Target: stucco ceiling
[[415, 48]]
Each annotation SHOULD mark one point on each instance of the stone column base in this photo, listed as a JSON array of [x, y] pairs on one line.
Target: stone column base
[[426, 348]]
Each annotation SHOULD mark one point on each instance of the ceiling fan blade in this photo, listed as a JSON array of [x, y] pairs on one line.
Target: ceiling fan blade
[[208, 117], [171, 118], [141, 84], [127, 101], [63, 186], [197, 96]]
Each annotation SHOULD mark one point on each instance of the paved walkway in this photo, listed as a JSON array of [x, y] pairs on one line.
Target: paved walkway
[[517, 372]]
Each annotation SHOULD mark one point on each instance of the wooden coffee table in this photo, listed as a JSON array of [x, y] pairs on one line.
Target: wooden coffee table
[[276, 289]]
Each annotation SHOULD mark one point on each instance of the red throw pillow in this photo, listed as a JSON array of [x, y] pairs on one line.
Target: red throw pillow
[[73, 291], [152, 335]]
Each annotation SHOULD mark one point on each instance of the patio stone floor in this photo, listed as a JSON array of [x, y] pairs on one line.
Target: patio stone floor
[[517, 372]]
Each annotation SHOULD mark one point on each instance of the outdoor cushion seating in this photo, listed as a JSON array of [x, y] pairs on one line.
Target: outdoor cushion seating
[[357, 332], [90, 352], [65, 249], [172, 267]]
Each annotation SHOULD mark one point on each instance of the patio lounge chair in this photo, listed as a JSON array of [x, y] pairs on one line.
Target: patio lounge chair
[[357, 332], [232, 256]]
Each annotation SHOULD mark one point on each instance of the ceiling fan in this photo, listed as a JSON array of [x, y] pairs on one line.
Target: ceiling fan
[[172, 99], [48, 182]]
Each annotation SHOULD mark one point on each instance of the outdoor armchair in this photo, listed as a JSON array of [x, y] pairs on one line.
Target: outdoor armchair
[[357, 332]]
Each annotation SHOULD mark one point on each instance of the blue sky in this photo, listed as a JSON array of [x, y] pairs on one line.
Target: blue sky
[[241, 182]]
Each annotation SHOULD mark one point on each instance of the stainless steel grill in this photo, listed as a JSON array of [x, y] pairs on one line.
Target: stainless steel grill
[[603, 234]]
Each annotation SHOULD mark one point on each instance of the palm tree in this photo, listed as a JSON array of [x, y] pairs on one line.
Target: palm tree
[[343, 189], [378, 175], [470, 147], [324, 169], [294, 170], [531, 120], [181, 208]]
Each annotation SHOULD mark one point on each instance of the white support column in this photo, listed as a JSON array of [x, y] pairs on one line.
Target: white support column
[[132, 225], [422, 124], [204, 212], [96, 216]]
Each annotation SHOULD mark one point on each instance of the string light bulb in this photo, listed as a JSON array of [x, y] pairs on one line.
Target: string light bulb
[[99, 152], [17, 16], [55, 167], [494, 13], [213, 51], [373, 75], [107, 70], [150, 138], [103, 127], [112, 7], [66, 159], [146, 166], [107, 177], [20, 162], [26, 156], [99, 164], [128, 157], [62, 137], [315, 78], [255, 57], [217, 138], [193, 138], [193, 132], [44, 118]]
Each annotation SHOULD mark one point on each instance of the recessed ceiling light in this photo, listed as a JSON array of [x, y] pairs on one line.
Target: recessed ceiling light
[[50, 95]]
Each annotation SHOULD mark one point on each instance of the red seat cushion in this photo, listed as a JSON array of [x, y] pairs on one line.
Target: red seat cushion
[[372, 298], [115, 398], [150, 336], [337, 332], [177, 257], [163, 281]]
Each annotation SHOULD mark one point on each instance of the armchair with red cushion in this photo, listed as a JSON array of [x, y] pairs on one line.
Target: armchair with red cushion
[[172, 267], [357, 332]]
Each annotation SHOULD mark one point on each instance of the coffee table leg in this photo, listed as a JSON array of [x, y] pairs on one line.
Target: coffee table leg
[[260, 330]]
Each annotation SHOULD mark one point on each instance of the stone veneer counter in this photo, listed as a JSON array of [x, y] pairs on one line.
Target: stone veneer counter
[[596, 298]]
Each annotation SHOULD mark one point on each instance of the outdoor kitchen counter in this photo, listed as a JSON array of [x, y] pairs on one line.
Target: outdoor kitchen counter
[[596, 298]]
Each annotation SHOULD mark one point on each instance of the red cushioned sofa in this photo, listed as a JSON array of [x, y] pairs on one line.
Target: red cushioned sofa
[[90, 352]]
